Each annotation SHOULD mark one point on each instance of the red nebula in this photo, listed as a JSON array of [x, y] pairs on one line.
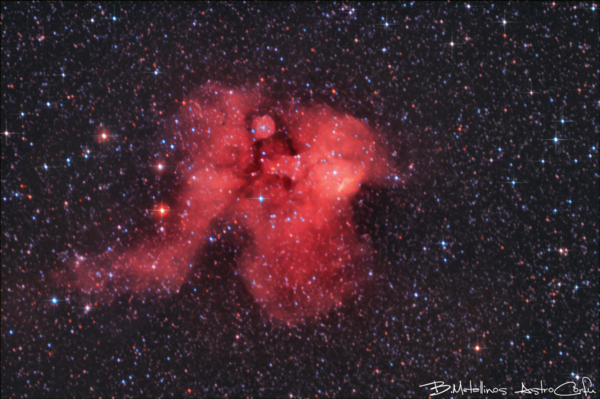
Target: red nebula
[[285, 172]]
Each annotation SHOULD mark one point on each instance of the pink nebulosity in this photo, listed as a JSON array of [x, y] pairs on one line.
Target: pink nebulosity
[[285, 172]]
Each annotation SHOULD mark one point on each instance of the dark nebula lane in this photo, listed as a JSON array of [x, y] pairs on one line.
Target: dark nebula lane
[[286, 173]]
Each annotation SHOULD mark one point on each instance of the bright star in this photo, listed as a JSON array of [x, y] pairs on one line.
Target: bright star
[[53, 300], [555, 139], [261, 199]]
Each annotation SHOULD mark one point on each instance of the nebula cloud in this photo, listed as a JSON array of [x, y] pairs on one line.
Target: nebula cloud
[[285, 172]]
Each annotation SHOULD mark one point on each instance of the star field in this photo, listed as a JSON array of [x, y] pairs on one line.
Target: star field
[[482, 235]]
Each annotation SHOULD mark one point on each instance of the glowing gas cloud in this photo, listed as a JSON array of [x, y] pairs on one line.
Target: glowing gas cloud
[[286, 173]]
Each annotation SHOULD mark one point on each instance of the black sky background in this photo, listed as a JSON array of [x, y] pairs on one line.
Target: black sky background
[[459, 119]]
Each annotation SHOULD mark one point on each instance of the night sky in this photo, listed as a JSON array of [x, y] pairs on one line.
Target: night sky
[[467, 237]]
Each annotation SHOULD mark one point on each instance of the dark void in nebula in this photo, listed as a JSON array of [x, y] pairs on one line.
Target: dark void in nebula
[[287, 174]]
